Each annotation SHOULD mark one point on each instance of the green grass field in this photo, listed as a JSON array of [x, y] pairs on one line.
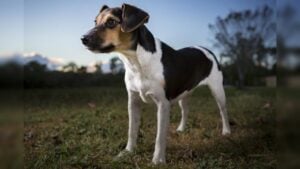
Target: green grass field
[[87, 128]]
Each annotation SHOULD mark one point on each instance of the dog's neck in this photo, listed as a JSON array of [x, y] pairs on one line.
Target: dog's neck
[[145, 39], [142, 38]]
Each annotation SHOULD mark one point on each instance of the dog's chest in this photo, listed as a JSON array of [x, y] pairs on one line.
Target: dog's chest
[[144, 73]]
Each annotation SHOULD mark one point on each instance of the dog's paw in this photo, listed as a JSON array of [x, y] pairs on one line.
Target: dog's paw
[[158, 160], [123, 154], [180, 129], [226, 132]]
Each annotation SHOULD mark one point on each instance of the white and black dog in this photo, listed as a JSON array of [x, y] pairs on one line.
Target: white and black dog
[[154, 70]]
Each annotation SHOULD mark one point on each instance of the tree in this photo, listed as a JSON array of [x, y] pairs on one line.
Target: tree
[[98, 66], [70, 67], [34, 74], [11, 75], [82, 69], [35, 67], [246, 38]]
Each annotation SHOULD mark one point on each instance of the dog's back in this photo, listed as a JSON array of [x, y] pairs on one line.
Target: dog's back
[[184, 69]]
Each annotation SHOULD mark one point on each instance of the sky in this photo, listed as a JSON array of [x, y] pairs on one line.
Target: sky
[[54, 27]]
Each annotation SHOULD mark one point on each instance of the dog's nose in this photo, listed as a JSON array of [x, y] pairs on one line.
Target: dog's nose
[[85, 40]]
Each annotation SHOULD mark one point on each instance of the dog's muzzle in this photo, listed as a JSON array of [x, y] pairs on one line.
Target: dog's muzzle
[[93, 45], [85, 40]]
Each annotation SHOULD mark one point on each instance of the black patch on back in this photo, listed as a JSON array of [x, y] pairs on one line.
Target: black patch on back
[[183, 69], [218, 64], [145, 38]]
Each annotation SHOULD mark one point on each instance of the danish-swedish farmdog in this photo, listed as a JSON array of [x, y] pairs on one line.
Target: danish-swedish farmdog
[[154, 70]]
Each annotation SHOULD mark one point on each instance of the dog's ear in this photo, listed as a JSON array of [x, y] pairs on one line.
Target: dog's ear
[[132, 18], [103, 8]]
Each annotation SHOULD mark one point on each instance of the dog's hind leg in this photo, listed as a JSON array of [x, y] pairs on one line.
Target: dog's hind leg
[[184, 113], [217, 89]]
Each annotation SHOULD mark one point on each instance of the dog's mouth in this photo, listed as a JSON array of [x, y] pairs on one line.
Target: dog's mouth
[[104, 49], [107, 48]]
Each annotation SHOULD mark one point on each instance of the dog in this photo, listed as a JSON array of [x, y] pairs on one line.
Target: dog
[[154, 70]]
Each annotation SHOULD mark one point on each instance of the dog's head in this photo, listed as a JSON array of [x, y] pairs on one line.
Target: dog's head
[[114, 29]]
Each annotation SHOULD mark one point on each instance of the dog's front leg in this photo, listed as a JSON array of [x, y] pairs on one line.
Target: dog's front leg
[[134, 102], [134, 119], [163, 113]]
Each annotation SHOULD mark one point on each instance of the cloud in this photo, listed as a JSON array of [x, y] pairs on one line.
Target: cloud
[[52, 63]]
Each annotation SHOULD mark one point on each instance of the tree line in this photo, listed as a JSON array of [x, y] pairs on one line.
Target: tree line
[[36, 75]]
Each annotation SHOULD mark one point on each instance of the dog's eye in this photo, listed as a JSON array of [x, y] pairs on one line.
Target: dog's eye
[[111, 23]]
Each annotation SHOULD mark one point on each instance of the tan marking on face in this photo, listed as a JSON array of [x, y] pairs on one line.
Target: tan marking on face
[[104, 16], [111, 36], [125, 39], [121, 40]]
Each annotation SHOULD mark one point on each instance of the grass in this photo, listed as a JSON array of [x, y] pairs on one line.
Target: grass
[[87, 128]]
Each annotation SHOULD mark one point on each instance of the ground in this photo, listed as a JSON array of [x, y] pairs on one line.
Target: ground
[[87, 128]]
